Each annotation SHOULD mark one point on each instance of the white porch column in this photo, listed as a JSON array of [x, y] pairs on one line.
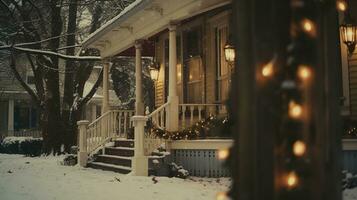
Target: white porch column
[[139, 103], [10, 118], [173, 112], [105, 101], [139, 161], [82, 154]]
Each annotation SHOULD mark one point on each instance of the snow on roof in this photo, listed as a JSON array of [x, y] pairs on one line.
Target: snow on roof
[[113, 22]]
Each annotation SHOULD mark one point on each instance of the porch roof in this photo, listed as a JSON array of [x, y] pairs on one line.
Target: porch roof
[[143, 19]]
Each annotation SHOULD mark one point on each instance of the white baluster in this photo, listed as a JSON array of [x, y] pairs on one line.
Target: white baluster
[[183, 116], [162, 119], [192, 108], [119, 123], [125, 123], [199, 113]]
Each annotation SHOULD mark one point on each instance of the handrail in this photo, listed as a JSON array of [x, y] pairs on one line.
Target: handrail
[[158, 109], [112, 124]]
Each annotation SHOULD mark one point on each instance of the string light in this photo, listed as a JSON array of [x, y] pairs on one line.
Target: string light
[[292, 180], [309, 27], [341, 5], [268, 69], [299, 148], [304, 72], [223, 154], [295, 110]]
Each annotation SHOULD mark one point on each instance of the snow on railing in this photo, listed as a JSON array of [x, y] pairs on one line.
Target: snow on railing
[[112, 124], [189, 114]]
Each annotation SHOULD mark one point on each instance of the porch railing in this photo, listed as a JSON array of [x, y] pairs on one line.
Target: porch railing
[[157, 118], [112, 124], [189, 114], [35, 133]]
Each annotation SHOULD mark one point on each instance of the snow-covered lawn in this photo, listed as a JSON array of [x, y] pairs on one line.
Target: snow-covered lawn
[[24, 178]]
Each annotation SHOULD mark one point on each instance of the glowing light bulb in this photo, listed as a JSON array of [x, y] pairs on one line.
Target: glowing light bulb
[[299, 148], [222, 196], [223, 154], [268, 69], [304, 72], [308, 26], [295, 110], [341, 5], [292, 180]]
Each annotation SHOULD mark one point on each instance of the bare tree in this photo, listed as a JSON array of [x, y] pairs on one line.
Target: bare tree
[[48, 32]]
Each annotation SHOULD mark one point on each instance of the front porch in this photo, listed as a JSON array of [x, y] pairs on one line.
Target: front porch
[[174, 113]]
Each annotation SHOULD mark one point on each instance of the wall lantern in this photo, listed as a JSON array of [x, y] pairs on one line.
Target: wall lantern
[[348, 32], [229, 53], [154, 71]]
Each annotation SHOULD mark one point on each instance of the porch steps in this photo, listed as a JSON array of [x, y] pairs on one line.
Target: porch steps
[[117, 158], [109, 167]]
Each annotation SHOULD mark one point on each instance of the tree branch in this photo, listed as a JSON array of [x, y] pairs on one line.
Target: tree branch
[[22, 82], [50, 53]]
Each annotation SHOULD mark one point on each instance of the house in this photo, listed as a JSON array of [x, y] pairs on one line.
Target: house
[[191, 84], [19, 116]]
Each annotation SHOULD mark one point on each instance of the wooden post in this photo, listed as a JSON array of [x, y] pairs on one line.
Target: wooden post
[[105, 101], [173, 99], [82, 154], [10, 119], [139, 161], [139, 103]]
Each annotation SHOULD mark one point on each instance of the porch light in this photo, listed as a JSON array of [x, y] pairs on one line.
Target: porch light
[[348, 32], [229, 53], [154, 71]]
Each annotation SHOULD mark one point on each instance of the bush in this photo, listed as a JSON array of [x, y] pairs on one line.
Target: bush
[[22, 145], [177, 171]]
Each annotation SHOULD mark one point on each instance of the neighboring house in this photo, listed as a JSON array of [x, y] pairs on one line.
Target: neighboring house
[[18, 114], [188, 38]]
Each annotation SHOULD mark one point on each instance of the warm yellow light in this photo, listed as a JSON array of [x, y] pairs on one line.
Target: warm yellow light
[[191, 77], [341, 5], [222, 196], [304, 72], [299, 148], [223, 154], [268, 69], [292, 180], [295, 110], [308, 26]]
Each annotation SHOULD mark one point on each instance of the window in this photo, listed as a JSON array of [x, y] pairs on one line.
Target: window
[[30, 78], [192, 68], [222, 69], [25, 117]]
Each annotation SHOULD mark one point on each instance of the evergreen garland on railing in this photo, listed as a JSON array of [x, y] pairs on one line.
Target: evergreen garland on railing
[[210, 127]]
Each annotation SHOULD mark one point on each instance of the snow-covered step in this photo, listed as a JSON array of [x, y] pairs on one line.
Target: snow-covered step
[[115, 160], [124, 143], [110, 167], [119, 151]]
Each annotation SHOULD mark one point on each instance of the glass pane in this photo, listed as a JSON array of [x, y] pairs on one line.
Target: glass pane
[[194, 69], [194, 92]]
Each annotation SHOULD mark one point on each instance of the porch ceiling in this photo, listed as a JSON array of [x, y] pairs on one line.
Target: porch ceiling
[[143, 19]]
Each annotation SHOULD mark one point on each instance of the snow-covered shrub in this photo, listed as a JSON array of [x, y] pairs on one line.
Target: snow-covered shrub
[[28, 146], [349, 180], [31, 147], [178, 171], [70, 160]]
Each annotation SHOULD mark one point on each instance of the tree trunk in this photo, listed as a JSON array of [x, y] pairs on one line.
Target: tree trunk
[[70, 117]]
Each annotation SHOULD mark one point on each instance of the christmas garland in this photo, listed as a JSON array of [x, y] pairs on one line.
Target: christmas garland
[[212, 126]]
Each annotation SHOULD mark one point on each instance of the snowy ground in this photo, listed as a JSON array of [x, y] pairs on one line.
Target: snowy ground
[[23, 178]]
